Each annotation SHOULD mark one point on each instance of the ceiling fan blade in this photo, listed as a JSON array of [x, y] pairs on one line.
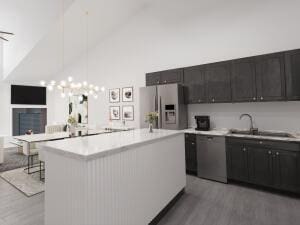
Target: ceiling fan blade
[[3, 32], [3, 38]]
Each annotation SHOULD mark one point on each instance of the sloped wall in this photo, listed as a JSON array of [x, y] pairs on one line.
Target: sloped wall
[[177, 33]]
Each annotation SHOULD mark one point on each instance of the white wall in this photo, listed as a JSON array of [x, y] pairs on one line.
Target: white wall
[[283, 116], [177, 33], [1, 60]]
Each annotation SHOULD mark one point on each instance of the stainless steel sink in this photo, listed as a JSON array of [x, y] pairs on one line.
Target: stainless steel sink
[[262, 133]]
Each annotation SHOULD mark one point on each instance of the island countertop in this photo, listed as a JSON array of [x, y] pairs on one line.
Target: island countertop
[[87, 148]]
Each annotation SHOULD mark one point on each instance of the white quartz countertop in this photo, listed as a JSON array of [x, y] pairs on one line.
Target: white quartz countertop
[[226, 132], [87, 148]]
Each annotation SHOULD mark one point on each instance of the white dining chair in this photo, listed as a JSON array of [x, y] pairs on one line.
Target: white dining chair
[[50, 129]]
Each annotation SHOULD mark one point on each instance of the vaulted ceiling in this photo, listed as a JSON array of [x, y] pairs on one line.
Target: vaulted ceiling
[[35, 52]]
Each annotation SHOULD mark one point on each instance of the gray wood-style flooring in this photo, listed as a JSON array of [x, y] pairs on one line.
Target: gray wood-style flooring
[[204, 203], [211, 203]]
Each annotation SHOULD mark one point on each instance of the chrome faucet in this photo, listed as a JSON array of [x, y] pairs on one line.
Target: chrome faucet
[[252, 129]]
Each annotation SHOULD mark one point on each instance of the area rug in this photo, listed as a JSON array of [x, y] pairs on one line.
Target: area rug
[[28, 184], [14, 160]]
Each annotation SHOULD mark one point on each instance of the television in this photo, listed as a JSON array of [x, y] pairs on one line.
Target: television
[[28, 95]]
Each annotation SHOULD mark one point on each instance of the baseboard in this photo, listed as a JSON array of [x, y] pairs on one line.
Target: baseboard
[[165, 210]]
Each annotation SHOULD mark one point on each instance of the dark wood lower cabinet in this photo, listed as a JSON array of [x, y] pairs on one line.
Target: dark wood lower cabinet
[[237, 165], [191, 154], [287, 170], [260, 166], [267, 165]]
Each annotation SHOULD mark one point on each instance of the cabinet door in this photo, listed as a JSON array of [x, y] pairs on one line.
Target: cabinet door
[[194, 85], [270, 77], [243, 80], [260, 166], [153, 78], [292, 66], [217, 78], [191, 157], [171, 76], [237, 165], [287, 170]]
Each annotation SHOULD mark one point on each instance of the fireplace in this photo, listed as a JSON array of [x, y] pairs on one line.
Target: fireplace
[[24, 119]]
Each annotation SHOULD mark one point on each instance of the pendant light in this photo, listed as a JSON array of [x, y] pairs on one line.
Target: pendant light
[[68, 87]]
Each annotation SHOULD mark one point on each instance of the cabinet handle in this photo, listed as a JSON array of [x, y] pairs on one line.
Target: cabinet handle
[[193, 143], [157, 82], [213, 100], [260, 142], [165, 81], [254, 98], [269, 152], [277, 153], [244, 149], [261, 98], [199, 100]]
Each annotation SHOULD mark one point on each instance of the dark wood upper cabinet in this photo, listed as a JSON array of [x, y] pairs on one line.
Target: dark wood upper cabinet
[[270, 77], [292, 68], [164, 77], [194, 85], [217, 78], [153, 78], [171, 76], [243, 82]]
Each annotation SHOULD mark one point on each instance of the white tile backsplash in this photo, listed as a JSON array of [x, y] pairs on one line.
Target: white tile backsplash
[[283, 116]]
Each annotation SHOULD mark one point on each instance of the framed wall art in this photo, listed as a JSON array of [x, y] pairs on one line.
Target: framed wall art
[[128, 112], [114, 95], [114, 112], [127, 94]]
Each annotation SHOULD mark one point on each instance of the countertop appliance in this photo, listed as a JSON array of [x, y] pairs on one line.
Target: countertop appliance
[[211, 158], [203, 123], [168, 101]]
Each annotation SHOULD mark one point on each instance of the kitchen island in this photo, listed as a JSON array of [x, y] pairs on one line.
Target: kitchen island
[[123, 178]]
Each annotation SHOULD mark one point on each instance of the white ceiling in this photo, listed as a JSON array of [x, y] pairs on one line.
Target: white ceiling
[[45, 58], [29, 20]]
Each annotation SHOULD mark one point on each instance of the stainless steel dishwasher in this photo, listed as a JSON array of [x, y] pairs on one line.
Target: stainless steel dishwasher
[[211, 158]]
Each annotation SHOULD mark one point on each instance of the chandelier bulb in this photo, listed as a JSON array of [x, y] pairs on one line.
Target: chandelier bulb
[[50, 87], [43, 83]]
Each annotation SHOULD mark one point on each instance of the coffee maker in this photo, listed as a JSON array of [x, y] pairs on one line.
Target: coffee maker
[[203, 123]]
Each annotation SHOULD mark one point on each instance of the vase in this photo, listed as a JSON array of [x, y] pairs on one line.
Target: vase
[[150, 128]]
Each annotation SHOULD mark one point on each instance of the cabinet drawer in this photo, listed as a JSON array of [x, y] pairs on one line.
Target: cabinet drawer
[[265, 143]]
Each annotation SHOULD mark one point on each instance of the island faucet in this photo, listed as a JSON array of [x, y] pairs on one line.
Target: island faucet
[[252, 129]]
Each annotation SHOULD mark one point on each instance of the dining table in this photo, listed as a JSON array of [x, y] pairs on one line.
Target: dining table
[[29, 142]]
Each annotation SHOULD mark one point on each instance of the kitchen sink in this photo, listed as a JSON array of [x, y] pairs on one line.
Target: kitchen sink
[[262, 133]]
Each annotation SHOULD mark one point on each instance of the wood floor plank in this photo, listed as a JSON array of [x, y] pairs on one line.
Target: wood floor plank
[[204, 203]]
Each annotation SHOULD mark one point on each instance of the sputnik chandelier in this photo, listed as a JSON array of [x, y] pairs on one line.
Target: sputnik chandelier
[[71, 88]]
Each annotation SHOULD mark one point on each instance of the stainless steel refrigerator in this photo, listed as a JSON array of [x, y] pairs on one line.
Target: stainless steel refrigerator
[[168, 101]]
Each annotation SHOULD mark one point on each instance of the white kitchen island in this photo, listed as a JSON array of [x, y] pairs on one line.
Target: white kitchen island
[[123, 178]]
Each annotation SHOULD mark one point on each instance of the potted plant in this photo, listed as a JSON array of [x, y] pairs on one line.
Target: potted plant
[[151, 118], [72, 124]]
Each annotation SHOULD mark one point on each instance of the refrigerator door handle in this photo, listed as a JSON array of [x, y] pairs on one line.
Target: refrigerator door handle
[[160, 114]]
